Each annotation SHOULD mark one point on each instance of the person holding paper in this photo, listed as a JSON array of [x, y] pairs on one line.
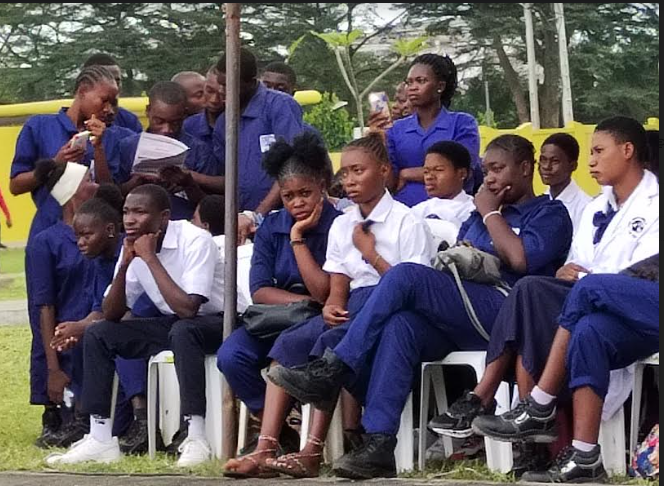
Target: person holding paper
[[189, 181]]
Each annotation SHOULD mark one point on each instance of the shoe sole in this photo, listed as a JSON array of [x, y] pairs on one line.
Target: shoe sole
[[455, 434], [600, 479], [300, 395], [540, 438], [344, 472]]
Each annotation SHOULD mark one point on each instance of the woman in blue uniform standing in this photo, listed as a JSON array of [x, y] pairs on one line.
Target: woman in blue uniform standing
[[432, 82], [57, 270], [528, 234], [289, 253]]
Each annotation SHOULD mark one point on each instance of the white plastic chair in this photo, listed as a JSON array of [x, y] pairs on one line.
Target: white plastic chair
[[244, 254], [161, 369], [637, 393], [498, 454]]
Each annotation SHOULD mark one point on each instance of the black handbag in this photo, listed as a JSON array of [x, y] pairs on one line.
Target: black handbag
[[265, 321]]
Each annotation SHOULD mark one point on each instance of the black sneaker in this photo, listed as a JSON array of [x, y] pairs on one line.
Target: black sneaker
[[71, 432], [51, 423], [135, 440], [458, 419], [572, 466], [173, 449], [529, 421], [319, 382], [530, 456], [375, 459], [353, 439]]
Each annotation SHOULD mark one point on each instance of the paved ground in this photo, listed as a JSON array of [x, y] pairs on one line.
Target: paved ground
[[13, 312]]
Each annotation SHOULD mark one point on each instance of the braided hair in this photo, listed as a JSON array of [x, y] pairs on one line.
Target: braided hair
[[306, 156], [521, 149], [374, 143], [444, 69], [92, 75]]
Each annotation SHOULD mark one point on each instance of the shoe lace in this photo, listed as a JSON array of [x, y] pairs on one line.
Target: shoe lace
[[562, 458], [516, 411]]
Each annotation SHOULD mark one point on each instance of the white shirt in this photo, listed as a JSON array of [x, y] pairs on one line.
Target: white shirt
[[445, 216], [400, 238], [632, 235], [191, 259], [243, 296], [575, 200]]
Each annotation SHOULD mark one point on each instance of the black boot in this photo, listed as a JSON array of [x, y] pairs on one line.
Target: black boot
[[72, 431], [375, 459], [318, 382], [135, 440], [572, 466], [51, 423]]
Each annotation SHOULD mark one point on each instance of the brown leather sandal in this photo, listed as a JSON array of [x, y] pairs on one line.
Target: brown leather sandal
[[291, 464], [258, 471]]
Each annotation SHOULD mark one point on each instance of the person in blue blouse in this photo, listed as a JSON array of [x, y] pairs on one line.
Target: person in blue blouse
[[289, 253], [431, 84], [417, 314], [266, 115], [201, 125], [166, 113]]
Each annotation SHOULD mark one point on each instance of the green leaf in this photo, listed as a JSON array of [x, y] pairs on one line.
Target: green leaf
[[409, 47], [293, 47]]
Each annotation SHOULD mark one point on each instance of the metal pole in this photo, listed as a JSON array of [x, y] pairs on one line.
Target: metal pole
[[568, 107], [230, 276], [532, 66]]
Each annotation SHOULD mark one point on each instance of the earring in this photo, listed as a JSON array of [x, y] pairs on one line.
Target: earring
[[111, 235], [440, 91]]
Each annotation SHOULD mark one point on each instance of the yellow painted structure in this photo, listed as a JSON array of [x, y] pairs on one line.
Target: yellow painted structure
[[23, 210]]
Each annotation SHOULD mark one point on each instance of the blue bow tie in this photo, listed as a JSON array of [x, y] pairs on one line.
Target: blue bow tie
[[601, 221]]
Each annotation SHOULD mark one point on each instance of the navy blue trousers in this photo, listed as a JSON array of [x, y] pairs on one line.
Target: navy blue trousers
[[614, 321]]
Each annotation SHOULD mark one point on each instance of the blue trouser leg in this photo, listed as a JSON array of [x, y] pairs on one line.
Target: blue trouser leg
[[423, 290], [407, 341], [38, 367], [133, 376], [241, 358], [614, 321]]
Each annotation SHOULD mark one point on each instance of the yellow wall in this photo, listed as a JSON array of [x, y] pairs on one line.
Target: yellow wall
[[22, 208]]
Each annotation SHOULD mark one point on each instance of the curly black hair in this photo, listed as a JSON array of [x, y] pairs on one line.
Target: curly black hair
[[306, 156]]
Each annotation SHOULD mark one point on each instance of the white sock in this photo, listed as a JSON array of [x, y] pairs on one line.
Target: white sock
[[541, 397], [196, 427], [583, 446], [101, 428]]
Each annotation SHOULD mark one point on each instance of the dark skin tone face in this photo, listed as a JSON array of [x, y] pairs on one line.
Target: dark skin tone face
[[610, 160], [247, 88], [501, 170], [278, 82], [423, 87], [141, 217], [214, 102], [99, 100], [363, 177], [555, 167], [93, 236], [300, 195], [166, 119], [441, 178], [194, 86]]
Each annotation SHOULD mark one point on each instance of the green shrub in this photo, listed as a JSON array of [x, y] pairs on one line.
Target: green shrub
[[336, 126]]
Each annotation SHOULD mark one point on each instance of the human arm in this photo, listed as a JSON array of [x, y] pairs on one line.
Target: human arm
[[68, 334], [115, 305], [365, 242], [102, 171], [334, 311], [57, 380]]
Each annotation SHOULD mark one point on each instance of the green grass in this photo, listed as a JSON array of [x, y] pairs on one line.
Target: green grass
[[12, 288], [12, 260]]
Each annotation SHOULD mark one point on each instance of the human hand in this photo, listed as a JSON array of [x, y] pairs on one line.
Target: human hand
[[364, 241], [570, 272], [57, 381], [379, 121], [245, 228], [67, 153], [301, 227], [175, 178], [67, 335], [128, 253], [487, 201], [335, 315], [145, 247], [9, 223], [96, 127]]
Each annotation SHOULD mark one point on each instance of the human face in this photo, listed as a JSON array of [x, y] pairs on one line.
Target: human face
[[165, 119], [92, 236], [278, 82], [609, 159], [99, 100], [423, 87], [555, 167], [214, 102], [196, 221], [300, 196], [117, 74], [501, 171], [441, 178], [86, 190], [363, 177], [247, 88], [194, 86], [401, 107], [140, 217]]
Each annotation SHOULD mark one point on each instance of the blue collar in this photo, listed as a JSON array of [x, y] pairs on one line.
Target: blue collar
[[65, 121], [256, 106], [442, 122]]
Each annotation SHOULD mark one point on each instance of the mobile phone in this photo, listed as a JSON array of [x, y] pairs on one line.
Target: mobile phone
[[80, 140], [380, 102]]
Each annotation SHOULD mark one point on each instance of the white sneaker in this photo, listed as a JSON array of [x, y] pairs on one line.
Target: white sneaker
[[194, 452], [88, 449]]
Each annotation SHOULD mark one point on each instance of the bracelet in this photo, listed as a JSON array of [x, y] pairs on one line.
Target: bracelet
[[375, 262], [489, 214], [297, 242]]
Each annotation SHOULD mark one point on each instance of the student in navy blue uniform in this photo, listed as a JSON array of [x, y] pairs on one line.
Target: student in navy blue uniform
[[120, 117], [57, 270], [166, 113], [193, 84], [530, 235], [286, 266], [617, 229], [363, 244], [201, 125], [266, 116], [432, 82]]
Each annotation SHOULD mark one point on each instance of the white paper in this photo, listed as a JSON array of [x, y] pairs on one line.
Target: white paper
[[155, 152]]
